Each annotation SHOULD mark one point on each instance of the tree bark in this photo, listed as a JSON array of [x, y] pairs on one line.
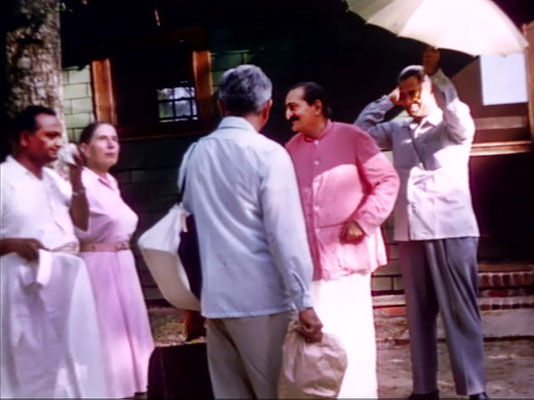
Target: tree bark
[[33, 56], [33, 59]]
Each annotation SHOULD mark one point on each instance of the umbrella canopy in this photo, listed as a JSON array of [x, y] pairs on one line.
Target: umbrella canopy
[[471, 26]]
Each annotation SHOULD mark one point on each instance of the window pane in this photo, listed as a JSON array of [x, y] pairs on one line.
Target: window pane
[[182, 108], [166, 94], [165, 110], [178, 103], [185, 92]]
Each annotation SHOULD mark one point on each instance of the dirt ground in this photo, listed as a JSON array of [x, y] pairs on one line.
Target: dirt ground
[[509, 368], [509, 361]]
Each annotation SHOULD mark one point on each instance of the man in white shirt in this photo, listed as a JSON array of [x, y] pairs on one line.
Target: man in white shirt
[[50, 340], [256, 265], [434, 222]]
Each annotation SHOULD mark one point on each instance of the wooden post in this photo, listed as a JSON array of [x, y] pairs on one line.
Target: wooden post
[[203, 85], [104, 102], [528, 31]]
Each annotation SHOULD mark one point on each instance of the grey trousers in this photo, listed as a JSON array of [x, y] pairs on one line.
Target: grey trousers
[[441, 275], [245, 355]]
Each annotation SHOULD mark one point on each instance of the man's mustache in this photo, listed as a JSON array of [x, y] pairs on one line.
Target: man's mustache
[[293, 118]]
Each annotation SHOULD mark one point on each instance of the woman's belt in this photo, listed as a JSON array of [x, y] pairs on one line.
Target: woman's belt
[[69, 248], [90, 247]]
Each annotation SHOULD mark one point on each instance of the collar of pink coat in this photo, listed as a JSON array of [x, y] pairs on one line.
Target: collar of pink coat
[[326, 131]]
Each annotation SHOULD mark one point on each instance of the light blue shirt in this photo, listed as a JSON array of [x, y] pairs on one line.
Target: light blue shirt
[[242, 189], [432, 160]]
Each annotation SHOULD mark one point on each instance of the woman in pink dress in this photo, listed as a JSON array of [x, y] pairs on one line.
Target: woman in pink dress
[[125, 330]]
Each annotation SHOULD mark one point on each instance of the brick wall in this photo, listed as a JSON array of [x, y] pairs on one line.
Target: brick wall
[[78, 100], [147, 168], [147, 173], [386, 280]]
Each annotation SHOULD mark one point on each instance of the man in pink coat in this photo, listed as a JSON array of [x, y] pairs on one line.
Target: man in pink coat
[[348, 188]]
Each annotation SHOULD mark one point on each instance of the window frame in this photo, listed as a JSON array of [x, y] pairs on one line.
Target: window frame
[[104, 97]]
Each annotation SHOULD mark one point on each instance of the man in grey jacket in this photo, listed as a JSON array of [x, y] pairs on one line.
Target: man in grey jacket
[[434, 222], [256, 264]]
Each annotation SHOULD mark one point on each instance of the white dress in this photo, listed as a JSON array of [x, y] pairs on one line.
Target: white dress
[[50, 342], [122, 314]]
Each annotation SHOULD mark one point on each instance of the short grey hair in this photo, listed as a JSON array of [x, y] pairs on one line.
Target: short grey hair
[[412, 70], [244, 89]]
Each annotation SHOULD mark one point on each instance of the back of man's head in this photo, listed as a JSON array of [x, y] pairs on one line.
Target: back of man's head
[[244, 90], [26, 120]]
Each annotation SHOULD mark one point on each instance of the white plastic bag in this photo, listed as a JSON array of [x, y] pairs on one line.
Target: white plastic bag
[[159, 247], [311, 370]]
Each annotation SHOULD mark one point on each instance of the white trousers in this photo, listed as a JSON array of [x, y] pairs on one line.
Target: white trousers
[[346, 310]]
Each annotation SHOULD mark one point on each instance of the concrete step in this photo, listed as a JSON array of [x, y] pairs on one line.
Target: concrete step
[[395, 303], [502, 317]]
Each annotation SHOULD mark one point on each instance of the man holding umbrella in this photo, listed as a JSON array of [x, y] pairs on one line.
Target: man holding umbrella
[[434, 222]]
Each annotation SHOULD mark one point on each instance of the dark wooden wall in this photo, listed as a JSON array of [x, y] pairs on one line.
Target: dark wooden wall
[[297, 41]]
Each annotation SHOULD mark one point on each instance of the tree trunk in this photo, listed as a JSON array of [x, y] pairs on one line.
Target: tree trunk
[[33, 55], [33, 59]]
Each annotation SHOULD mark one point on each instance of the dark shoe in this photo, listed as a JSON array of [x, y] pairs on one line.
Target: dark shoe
[[425, 396], [194, 325], [478, 396]]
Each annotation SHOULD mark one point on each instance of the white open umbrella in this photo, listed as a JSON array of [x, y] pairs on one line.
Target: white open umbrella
[[471, 26]]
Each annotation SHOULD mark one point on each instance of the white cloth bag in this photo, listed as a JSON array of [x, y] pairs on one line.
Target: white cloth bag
[[311, 370], [159, 247]]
